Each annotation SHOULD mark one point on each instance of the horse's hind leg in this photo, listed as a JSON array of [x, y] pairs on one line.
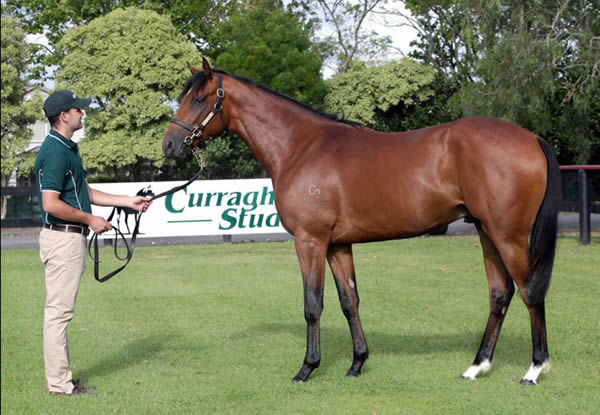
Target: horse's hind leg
[[540, 360], [342, 266], [501, 290], [311, 255], [515, 255]]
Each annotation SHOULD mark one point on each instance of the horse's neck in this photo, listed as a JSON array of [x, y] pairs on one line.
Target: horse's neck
[[269, 126]]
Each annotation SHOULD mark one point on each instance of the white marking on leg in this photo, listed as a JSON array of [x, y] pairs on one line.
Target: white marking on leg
[[476, 370], [534, 372], [350, 283]]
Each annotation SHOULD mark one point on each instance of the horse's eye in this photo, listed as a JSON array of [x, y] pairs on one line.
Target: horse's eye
[[200, 100]]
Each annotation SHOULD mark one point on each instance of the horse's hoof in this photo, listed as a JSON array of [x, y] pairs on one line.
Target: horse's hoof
[[467, 378], [298, 379], [302, 376], [527, 382], [353, 373]]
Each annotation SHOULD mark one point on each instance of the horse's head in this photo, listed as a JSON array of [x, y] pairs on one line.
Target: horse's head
[[200, 114]]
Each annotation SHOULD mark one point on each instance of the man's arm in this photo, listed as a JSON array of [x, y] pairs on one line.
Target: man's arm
[[56, 207], [100, 198]]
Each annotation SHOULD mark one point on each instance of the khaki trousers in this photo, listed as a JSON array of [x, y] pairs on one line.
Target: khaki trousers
[[64, 255]]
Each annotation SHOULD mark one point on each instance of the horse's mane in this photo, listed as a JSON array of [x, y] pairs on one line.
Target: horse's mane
[[198, 80]]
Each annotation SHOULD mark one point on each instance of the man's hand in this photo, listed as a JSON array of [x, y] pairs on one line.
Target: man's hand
[[99, 224], [139, 203]]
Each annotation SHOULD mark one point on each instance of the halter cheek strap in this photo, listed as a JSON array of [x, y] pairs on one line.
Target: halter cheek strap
[[198, 131]]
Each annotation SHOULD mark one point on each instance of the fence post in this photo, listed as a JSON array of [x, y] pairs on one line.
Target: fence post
[[584, 208]]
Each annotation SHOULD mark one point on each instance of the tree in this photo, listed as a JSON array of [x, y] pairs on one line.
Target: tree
[[17, 115], [448, 36], [350, 39], [195, 19], [542, 73], [132, 62], [272, 46], [372, 95]]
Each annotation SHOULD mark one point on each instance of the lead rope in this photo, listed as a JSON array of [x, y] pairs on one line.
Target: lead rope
[[199, 157]]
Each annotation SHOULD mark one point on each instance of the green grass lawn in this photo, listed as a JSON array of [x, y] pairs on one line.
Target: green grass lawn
[[219, 329]]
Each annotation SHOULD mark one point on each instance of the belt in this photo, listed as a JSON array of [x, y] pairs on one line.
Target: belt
[[82, 229]]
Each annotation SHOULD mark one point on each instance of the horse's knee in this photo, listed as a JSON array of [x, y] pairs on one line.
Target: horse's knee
[[349, 303], [500, 299], [349, 299], [313, 306]]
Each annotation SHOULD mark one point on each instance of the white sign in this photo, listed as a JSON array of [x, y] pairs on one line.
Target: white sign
[[211, 207]]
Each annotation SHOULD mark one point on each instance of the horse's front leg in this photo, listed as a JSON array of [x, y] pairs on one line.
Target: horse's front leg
[[311, 253], [342, 266]]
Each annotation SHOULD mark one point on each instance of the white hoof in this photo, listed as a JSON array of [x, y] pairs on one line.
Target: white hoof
[[476, 370], [534, 372]]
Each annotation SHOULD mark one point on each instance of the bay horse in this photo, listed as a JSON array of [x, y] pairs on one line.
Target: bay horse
[[337, 183]]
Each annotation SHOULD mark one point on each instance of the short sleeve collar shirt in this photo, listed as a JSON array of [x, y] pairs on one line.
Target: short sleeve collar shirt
[[58, 168]]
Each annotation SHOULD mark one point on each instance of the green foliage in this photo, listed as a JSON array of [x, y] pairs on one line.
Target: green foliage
[[365, 94], [197, 20], [271, 46], [521, 68], [531, 62], [132, 61], [17, 115], [228, 157], [424, 113], [447, 37]]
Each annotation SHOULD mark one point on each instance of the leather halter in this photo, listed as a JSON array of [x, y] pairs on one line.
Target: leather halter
[[199, 130]]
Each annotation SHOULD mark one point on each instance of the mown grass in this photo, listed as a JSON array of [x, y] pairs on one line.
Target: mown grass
[[219, 329]]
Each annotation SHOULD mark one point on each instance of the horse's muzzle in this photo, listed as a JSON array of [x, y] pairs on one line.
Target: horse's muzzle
[[173, 148]]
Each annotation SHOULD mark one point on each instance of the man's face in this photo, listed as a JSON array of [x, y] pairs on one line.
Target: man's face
[[75, 118]]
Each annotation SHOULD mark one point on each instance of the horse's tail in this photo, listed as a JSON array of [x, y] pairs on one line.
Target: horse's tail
[[542, 244]]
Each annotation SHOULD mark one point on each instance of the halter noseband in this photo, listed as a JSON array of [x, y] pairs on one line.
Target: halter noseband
[[217, 109]]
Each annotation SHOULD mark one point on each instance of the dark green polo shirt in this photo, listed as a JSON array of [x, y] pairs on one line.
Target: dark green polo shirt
[[58, 168]]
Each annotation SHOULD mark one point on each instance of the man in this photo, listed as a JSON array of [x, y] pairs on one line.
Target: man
[[65, 205]]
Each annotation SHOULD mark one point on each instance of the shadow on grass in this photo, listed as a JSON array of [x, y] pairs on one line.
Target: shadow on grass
[[131, 354], [336, 343]]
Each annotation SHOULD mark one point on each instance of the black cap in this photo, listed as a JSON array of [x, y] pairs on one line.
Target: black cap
[[64, 100]]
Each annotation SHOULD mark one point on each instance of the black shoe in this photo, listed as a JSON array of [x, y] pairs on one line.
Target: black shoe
[[78, 383], [77, 390]]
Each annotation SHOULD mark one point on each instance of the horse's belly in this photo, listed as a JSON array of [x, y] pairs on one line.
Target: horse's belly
[[383, 222]]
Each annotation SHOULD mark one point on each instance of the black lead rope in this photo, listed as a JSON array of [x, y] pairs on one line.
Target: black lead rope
[[131, 246]]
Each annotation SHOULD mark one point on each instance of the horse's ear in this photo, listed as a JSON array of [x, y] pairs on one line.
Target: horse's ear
[[193, 70], [206, 68]]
